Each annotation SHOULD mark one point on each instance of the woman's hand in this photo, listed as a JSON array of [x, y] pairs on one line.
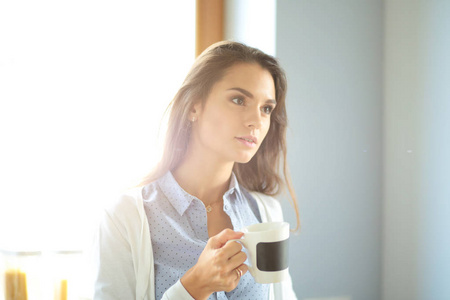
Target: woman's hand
[[219, 267]]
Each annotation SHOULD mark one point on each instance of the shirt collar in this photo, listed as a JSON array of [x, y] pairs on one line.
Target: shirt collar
[[181, 200], [234, 186]]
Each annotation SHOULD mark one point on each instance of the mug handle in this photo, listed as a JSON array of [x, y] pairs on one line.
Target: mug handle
[[241, 241]]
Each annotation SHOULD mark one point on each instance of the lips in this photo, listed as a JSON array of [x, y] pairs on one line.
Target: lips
[[249, 139]]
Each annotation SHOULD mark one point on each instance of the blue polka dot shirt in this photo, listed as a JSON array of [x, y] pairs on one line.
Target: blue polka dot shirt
[[178, 227]]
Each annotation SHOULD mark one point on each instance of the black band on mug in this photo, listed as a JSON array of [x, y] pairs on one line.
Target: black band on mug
[[273, 256]]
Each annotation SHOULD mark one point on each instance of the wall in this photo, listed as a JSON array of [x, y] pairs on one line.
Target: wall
[[369, 146], [416, 244], [332, 53]]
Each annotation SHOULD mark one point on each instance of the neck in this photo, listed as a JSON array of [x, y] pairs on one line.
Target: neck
[[206, 180]]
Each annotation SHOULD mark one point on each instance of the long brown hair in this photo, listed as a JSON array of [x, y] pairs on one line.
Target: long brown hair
[[262, 172]]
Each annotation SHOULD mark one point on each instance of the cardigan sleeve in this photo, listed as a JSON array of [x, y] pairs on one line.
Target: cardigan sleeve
[[177, 292], [123, 255], [115, 275]]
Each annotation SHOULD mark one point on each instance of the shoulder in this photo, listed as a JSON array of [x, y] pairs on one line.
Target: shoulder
[[269, 207], [127, 200], [128, 206], [267, 200], [124, 218]]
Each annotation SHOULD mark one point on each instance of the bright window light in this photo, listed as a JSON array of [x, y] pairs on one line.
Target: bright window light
[[83, 86]]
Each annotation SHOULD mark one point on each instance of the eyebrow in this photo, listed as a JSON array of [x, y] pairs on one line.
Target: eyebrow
[[250, 95]]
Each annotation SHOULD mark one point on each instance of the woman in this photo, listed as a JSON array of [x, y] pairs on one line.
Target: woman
[[167, 239]]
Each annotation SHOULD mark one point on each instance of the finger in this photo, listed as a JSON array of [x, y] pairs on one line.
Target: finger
[[228, 251], [219, 240], [226, 254], [237, 260], [239, 271], [243, 268], [233, 247]]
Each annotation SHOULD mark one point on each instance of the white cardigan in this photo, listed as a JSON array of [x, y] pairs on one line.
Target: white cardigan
[[123, 252]]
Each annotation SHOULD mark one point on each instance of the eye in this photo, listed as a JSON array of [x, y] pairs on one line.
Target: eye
[[268, 109], [238, 100]]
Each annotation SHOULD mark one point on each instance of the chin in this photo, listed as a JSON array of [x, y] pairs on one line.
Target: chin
[[244, 159]]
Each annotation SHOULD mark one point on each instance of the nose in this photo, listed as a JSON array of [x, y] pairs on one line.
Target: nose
[[254, 119]]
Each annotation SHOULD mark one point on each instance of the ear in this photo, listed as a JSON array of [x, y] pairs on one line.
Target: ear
[[195, 112]]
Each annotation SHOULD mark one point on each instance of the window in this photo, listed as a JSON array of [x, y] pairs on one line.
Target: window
[[83, 85]]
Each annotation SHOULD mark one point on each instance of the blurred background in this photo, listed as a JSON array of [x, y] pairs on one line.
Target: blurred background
[[83, 88]]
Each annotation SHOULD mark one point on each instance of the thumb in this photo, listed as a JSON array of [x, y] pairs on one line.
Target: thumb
[[219, 240]]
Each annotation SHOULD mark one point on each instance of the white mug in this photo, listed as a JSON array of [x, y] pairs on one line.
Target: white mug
[[267, 246]]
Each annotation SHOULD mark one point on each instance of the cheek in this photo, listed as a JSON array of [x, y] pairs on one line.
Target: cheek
[[217, 125], [265, 129]]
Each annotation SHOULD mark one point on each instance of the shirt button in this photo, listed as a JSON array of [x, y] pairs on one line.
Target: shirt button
[[225, 207]]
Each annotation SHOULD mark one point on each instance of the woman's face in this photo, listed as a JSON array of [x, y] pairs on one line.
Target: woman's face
[[235, 119]]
